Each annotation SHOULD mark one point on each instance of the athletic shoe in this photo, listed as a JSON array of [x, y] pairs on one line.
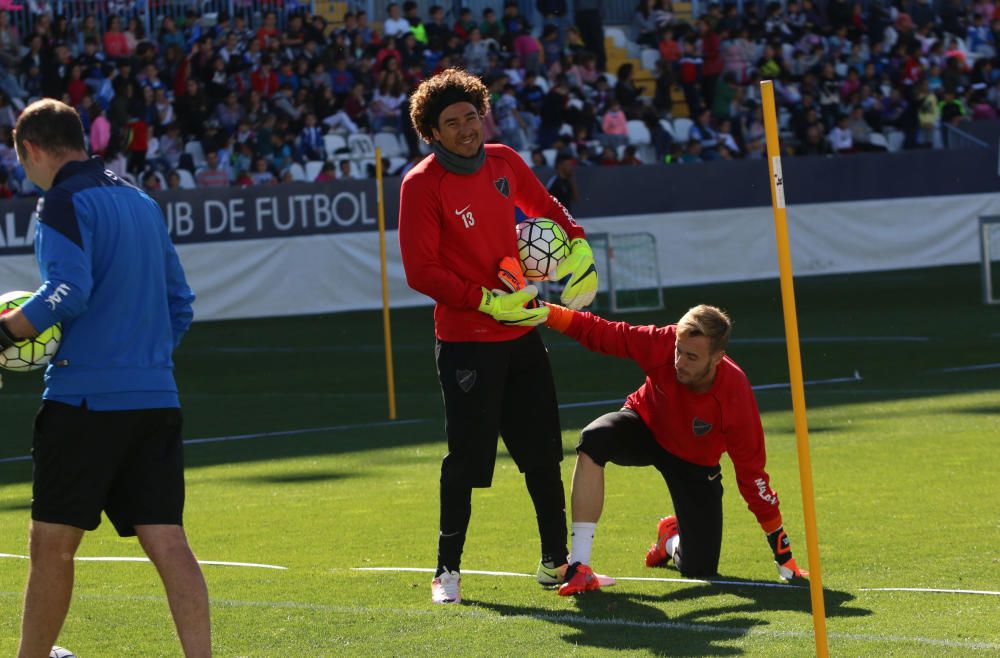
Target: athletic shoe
[[657, 555], [550, 575], [447, 588], [579, 578]]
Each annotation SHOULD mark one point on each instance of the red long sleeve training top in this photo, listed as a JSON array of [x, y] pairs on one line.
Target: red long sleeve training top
[[454, 230], [697, 427]]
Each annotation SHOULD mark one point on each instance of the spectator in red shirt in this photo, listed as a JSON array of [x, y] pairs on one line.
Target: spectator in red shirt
[[268, 31], [694, 405], [115, 43], [264, 80]]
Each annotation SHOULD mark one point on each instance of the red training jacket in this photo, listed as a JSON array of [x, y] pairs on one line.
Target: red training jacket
[[697, 427], [455, 229]]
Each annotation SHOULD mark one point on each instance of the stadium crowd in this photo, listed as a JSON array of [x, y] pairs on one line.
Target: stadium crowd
[[221, 100]]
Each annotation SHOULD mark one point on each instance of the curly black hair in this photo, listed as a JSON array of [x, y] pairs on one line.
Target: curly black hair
[[438, 92]]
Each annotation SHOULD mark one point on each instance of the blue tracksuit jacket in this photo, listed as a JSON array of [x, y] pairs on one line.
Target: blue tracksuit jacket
[[112, 278]]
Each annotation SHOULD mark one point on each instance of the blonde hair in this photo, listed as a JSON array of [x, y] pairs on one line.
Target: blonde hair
[[708, 321]]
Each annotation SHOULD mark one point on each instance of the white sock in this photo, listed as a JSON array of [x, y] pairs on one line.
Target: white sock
[[673, 548], [583, 539]]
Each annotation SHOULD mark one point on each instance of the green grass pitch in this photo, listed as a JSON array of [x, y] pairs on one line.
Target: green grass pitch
[[904, 462]]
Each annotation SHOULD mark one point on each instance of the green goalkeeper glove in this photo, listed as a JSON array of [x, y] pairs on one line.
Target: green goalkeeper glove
[[579, 266], [510, 308]]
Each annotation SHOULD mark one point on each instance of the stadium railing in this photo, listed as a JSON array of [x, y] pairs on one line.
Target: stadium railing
[[152, 12]]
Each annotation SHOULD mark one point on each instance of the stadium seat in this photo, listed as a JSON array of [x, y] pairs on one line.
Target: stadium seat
[[617, 34], [297, 172], [332, 143], [895, 141], [389, 144], [313, 167], [649, 57], [197, 153], [668, 128], [152, 148], [638, 133], [186, 179], [154, 174], [395, 164], [361, 145], [878, 140], [550, 157], [682, 128]]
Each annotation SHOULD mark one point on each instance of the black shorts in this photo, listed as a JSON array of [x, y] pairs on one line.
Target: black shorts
[[498, 388], [622, 438], [130, 464]]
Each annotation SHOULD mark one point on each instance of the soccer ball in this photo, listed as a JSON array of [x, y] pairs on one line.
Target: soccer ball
[[541, 244], [33, 353], [59, 652]]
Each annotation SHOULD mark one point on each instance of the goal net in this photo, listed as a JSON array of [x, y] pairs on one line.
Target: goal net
[[629, 271], [989, 242]]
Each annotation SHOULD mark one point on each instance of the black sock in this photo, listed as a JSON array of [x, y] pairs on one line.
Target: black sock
[[456, 510], [546, 489]]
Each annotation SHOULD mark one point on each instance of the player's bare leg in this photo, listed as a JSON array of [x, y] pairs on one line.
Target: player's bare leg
[[50, 586], [187, 594], [588, 490]]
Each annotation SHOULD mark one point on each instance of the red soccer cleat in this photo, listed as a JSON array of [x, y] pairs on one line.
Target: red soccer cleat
[[579, 578], [657, 555]]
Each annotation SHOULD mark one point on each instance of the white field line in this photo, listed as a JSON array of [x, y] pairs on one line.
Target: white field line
[[984, 366], [570, 619], [923, 589], [736, 583], [144, 559], [833, 339], [264, 435]]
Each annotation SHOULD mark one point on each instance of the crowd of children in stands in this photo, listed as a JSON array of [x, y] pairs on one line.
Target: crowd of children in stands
[[259, 96]]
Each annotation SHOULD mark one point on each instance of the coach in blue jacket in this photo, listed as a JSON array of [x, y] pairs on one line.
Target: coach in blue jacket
[[108, 435]]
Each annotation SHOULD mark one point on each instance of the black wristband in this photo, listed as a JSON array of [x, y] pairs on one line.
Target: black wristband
[[780, 545], [7, 339]]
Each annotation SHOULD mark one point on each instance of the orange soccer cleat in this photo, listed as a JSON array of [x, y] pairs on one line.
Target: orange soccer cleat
[[657, 555]]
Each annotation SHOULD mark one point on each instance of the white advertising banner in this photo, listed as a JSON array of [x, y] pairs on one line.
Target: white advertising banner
[[323, 273]]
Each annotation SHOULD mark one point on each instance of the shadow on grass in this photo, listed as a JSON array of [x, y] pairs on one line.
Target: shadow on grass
[[627, 621], [296, 478]]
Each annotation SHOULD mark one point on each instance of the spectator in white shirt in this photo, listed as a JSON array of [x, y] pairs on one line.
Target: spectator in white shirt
[[395, 24]]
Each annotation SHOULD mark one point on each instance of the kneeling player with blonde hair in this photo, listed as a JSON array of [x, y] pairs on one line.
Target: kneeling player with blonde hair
[[695, 404]]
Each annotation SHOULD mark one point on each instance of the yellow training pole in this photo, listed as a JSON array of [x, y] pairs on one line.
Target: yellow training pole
[[794, 364], [380, 199]]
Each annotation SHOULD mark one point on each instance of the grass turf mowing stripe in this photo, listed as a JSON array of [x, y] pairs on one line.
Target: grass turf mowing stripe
[[215, 563], [469, 612], [262, 435], [736, 583]]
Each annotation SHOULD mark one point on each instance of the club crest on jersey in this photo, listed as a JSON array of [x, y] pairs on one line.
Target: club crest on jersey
[[700, 427], [503, 187], [466, 379]]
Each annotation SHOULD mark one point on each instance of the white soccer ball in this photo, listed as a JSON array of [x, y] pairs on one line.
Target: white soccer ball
[[541, 245], [59, 652], [35, 352]]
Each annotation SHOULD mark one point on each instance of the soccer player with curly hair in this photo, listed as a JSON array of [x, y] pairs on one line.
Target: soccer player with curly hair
[[456, 225]]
